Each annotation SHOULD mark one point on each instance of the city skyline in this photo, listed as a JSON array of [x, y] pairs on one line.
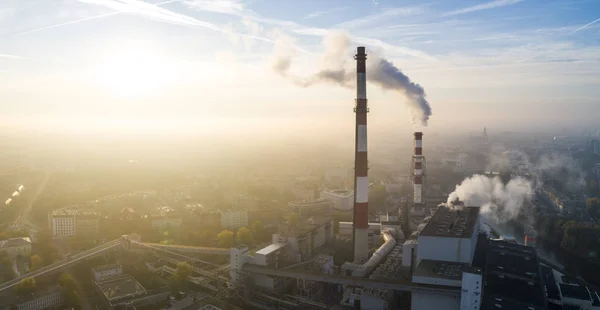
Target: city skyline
[[128, 62]]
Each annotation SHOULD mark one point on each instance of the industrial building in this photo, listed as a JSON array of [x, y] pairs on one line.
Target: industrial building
[[311, 207], [342, 199]]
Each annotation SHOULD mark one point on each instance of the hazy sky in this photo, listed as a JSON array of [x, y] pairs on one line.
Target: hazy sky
[[88, 63]]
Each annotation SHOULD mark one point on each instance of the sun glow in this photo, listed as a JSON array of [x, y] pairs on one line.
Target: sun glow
[[133, 71]]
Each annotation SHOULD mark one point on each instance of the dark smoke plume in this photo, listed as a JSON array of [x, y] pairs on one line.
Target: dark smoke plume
[[338, 69]]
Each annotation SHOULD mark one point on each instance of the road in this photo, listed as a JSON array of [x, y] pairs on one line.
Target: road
[[23, 221], [63, 263]]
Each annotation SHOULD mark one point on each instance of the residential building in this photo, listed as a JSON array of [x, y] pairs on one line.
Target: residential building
[[16, 247], [233, 219], [105, 271], [47, 298], [68, 222]]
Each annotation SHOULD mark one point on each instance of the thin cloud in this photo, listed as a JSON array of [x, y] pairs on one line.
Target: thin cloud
[[388, 13], [8, 56], [217, 6], [83, 20], [485, 6], [586, 25], [327, 12]]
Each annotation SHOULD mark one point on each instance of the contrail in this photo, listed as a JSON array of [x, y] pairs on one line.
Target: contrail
[[85, 19], [586, 25]]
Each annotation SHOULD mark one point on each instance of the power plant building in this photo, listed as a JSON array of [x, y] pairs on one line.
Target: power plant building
[[342, 199]]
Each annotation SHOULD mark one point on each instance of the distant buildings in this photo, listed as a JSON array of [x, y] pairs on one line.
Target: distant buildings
[[47, 298], [311, 207], [165, 218], [67, 222], [16, 247], [233, 219], [105, 271], [343, 200]]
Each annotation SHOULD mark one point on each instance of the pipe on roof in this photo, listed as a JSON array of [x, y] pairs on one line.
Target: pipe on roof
[[365, 269]]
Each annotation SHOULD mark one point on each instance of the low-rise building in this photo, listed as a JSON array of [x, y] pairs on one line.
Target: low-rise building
[[16, 246], [120, 290], [46, 298], [233, 219], [105, 271]]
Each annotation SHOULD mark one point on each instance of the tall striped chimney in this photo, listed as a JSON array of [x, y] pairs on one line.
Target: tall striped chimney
[[418, 169], [361, 179]]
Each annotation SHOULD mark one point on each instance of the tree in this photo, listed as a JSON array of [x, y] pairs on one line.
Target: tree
[[183, 271], [65, 280], [377, 196], [259, 230], [292, 219], [225, 238], [72, 298], [244, 236], [593, 207], [26, 286], [36, 262]]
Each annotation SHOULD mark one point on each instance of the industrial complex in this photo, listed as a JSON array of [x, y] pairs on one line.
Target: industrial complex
[[421, 255]]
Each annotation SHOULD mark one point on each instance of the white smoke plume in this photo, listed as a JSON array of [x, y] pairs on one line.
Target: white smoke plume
[[497, 200], [337, 67], [562, 168]]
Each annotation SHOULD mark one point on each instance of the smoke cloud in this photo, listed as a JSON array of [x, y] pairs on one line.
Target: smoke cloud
[[563, 169], [497, 200], [336, 68]]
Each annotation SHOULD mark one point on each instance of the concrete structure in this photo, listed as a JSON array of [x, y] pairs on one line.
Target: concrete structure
[[237, 259], [106, 271], [568, 292], [361, 178], [311, 207], [233, 219], [512, 278], [305, 238], [210, 303], [47, 298], [472, 285], [450, 235], [346, 230], [342, 199], [16, 247], [119, 290], [68, 222]]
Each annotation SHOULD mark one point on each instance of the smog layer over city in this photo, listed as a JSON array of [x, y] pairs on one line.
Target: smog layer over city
[[278, 154]]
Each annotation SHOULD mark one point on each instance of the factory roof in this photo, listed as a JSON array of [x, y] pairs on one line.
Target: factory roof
[[310, 202], [106, 267], [340, 192], [495, 303], [574, 291], [210, 303], [458, 223], [271, 248], [15, 242], [440, 269], [512, 277], [119, 287], [550, 283]]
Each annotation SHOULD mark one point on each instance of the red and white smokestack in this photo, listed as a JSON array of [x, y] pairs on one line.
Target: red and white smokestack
[[361, 179], [418, 169]]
